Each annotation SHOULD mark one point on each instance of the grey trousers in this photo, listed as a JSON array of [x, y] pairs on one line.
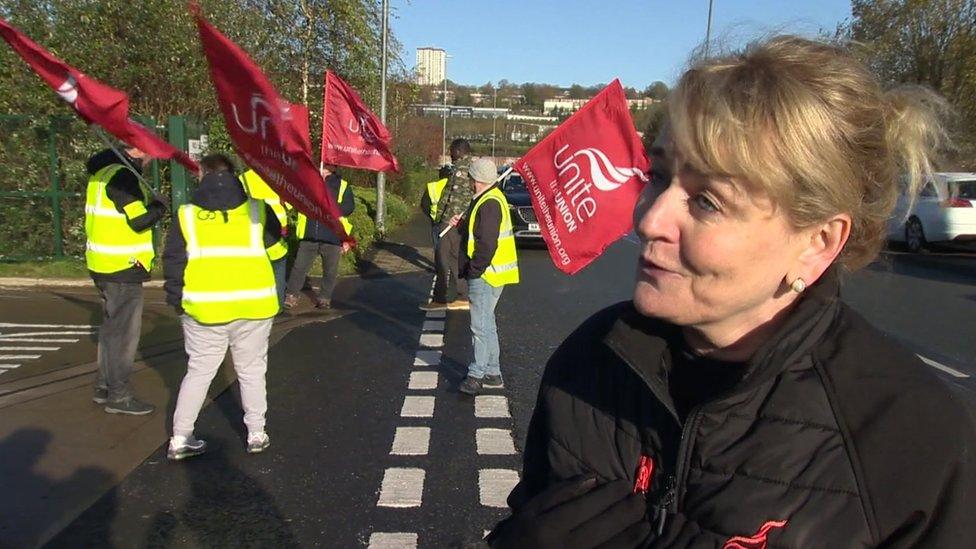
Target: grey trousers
[[447, 285], [307, 251], [206, 345], [118, 336]]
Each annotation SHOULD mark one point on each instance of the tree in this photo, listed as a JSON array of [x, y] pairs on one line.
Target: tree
[[657, 91], [577, 92]]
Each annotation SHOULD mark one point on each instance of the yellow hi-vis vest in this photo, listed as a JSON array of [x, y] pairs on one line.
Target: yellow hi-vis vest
[[302, 222], [504, 264], [434, 191], [112, 245], [228, 272], [258, 189]]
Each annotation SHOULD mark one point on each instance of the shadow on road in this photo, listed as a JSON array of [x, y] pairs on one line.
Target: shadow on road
[[954, 268], [21, 451]]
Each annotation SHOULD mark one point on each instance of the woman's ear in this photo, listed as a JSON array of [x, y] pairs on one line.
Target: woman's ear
[[823, 243]]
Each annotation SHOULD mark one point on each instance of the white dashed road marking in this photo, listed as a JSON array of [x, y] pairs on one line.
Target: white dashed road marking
[[427, 358], [437, 314], [495, 442], [35, 340], [29, 348], [9, 366], [951, 371], [402, 487], [74, 326], [411, 441], [392, 540], [491, 406], [433, 326], [495, 485], [19, 357], [432, 340], [420, 381], [417, 406], [37, 334]]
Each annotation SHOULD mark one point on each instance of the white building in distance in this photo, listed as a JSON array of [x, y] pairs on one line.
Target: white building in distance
[[431, 66]]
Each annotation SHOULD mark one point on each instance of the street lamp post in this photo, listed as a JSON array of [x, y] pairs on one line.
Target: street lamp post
[[444, 130], [381, 176], [494, 118], [708, 29]]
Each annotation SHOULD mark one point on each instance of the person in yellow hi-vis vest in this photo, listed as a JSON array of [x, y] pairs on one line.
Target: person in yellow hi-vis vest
[[258, 189], [431, 195], [120, 212], [217, 265], [316, 239], [488, 262]]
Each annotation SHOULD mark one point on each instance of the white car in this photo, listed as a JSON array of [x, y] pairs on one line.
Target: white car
[[944, 211]]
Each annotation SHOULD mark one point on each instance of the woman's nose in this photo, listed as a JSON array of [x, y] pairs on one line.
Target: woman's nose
[[654, 215]]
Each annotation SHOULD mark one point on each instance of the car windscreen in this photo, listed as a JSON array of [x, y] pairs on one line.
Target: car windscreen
[[514, 184], [964, 189]]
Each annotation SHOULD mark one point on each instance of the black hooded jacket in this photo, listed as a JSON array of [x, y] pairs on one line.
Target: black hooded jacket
[[835, 436], [221, 191], [315, 230], [123, 189]]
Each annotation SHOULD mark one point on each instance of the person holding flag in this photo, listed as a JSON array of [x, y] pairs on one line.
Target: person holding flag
[[219, 279], [120, 213], [318, 240], [488, 262]]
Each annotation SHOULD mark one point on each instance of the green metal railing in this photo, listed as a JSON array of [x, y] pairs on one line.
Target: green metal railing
[[43, 181]]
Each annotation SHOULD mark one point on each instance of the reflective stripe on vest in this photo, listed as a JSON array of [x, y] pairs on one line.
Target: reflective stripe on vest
[[228, 273], [504, 264], [302, 222], [111, 244], [258, 189], [434, 191]]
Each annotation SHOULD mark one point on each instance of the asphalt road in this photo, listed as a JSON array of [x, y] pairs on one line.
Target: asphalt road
[[337, 389]]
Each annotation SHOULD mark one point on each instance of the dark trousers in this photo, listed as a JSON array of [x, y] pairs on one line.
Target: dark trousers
[[118, 336], [447, 286], [307, 250]]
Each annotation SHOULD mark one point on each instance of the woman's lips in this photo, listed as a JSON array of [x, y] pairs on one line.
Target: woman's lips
[[654, 268]]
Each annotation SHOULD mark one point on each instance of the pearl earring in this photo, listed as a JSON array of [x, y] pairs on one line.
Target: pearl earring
[[798, 285]]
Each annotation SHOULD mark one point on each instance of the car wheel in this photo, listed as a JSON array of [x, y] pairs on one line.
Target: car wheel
[[914, 235]]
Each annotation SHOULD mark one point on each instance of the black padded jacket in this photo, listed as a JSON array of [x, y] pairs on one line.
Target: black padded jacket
[[835, 436]]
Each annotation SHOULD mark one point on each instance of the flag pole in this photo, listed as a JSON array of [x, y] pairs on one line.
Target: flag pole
[[381, 176], [497, 180], [125, 161]]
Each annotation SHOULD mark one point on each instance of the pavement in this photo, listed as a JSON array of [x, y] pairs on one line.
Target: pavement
[[372, 444]]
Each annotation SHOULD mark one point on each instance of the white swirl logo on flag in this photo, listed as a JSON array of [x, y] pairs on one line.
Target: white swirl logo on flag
[[69, 90], [603, 173]]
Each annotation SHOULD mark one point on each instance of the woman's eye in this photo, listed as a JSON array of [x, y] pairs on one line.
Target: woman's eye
[[705, 203]]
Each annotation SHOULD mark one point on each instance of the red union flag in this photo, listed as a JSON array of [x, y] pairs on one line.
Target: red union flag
[[269, 133], [584, 179], [352, 135], [95, 102]]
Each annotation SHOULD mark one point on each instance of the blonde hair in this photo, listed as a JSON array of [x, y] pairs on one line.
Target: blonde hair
[[811, 127]]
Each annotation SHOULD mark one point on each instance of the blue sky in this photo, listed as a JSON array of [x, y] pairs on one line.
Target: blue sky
[[591, 41]]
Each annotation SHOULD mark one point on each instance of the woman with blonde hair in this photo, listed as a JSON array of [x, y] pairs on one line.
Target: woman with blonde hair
[[736, 401]]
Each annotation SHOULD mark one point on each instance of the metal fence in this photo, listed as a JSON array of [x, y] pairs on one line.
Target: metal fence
[[43, 180]]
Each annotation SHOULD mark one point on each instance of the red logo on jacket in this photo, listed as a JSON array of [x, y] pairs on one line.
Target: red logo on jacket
[[755, 541]]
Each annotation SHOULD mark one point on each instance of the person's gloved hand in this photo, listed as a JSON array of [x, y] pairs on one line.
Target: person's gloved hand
[[578, 513]]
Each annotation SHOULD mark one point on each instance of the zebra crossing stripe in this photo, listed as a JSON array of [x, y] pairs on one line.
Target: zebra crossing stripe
[[420, 381], [495, 442], [417, 406], [427, 358], [402, 487], [411, 441], [392, 540], [494, 485], [491, 406], [431, 340]]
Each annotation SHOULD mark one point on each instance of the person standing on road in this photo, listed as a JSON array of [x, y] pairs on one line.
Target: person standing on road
[[736, 400], [488, 262], [217, 265], [450, 290], [258, 189], [317, 239], [428, 201], [120, 212]]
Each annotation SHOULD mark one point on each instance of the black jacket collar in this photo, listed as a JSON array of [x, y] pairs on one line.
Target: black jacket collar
[[642, 342]]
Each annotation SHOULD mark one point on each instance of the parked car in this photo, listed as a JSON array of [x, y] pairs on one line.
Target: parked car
[[524, 221], [944, 211]]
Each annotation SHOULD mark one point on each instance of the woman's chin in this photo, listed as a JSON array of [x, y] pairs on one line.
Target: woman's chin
[[651, 302]]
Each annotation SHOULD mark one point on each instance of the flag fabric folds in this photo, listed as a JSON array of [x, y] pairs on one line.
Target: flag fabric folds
[[94, 101], [269, 133], [584, 179], [352, 135]]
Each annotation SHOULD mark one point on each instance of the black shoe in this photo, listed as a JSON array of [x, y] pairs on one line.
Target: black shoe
[[129, 406], [492, 382], [321, 303], [100, 396], [471, 386]]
